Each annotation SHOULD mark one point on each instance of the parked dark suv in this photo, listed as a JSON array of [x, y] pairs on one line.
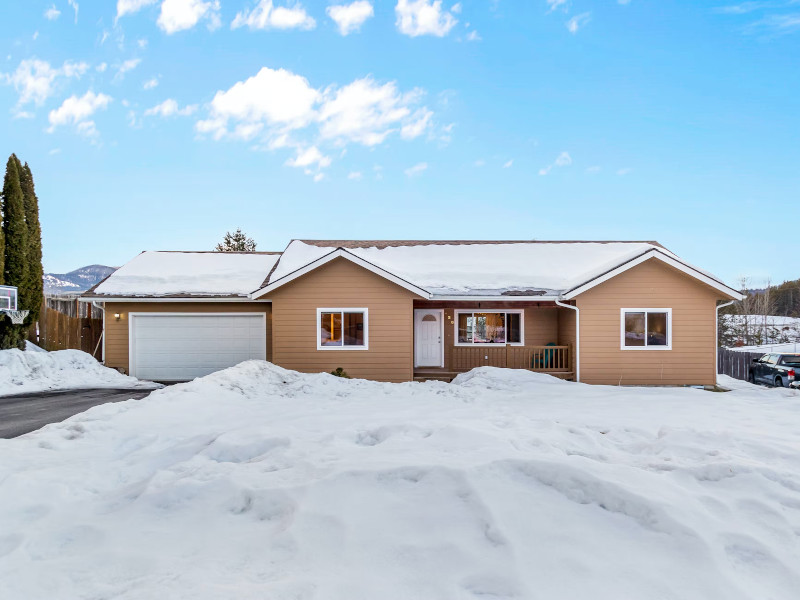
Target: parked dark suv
[[775, 369]]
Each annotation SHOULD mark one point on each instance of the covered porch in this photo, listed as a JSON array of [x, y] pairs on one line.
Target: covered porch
[[453, 337]]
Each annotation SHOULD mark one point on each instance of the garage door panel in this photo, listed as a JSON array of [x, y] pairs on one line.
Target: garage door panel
[[179, 347]]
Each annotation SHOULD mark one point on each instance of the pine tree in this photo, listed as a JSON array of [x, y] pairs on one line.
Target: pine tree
[[236, 242], [31, 294], [15, 232]]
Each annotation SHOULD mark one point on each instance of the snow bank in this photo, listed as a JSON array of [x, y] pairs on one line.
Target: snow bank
[[257, 482], [32, 371]]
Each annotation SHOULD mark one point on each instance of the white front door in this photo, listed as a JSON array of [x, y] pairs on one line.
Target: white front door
[[429, 346]]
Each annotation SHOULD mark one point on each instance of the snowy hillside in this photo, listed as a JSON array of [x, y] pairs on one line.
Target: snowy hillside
[[257, 482], [75, 281]]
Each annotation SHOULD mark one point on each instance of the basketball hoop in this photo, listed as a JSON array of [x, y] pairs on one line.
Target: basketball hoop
[[17, 316]]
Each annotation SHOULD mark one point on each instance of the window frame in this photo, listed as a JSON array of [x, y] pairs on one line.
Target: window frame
[[365, 312], [472, 311], [623, 311]]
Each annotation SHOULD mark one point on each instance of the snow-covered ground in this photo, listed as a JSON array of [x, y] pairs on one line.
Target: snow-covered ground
[[790, 347], [35, 370], [257, 482]]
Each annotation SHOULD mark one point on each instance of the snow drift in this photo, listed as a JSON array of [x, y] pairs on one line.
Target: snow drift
[[257, 482], [34, 371]]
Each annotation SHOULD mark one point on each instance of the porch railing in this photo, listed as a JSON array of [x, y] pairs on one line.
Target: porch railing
[[549, 359]]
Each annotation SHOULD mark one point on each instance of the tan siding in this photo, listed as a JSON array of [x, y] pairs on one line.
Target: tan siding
[[649, 285], [342, 284], [116, 332], [567, 333]]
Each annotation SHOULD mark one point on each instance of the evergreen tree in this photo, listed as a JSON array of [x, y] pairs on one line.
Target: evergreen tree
[[15, 232], [236, 242], [31, 294]]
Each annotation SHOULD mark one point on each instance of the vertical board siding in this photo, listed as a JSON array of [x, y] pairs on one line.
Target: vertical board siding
[[116, 332], [342, 284], [649, 285]]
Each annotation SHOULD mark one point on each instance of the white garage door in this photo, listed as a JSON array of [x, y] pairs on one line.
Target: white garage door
[[180, 347]]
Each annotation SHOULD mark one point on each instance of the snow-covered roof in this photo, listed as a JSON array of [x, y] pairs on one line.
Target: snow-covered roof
[[202, 274], [477, 268]]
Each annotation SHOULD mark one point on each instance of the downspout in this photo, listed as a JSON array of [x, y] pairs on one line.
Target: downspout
[[577, 338], [716, 345], [102, 333]]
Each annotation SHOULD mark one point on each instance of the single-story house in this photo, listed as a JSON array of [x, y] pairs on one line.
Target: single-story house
[[597, 312]]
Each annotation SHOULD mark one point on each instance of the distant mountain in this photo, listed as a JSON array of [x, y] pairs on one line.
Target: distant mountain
[[76, 281]]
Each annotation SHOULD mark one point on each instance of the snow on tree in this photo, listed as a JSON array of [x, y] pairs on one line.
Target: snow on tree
[[236, 242]]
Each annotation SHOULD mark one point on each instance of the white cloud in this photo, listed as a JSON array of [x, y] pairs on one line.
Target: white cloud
[[178, 15], [578, 21], [34, 79], [366, 112], [416, 170], [554, 4], [350, 17], [309, 157], [54, 151], [415, 128], [456, 8], [479, 163], [265, 15], [52, 13], [624, 171], [76, 111], [283, 110], [508, 164], [562, 160], [127, 7], [474, 36], [593, 170], [35, 35], [101, 67], [277, 98], [74, 6], [150, 84], [168, 108], [423, 17], [128, 65], [319, 177], [142, 43], [355, 175]]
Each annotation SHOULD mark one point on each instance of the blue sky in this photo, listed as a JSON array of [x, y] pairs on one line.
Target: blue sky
[[160, 124]]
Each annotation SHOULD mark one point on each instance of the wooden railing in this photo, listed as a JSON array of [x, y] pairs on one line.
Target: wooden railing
[[550, 359]]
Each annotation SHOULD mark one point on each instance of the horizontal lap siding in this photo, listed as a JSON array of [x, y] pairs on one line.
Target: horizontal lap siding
[[116, 332], [649, 285], [342, 284]]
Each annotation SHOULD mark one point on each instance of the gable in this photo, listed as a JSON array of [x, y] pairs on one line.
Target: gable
[[651, 280], [337, 280], [654, 257]]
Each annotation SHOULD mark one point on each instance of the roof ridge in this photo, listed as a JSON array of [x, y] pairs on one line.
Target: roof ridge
[[396, 243]]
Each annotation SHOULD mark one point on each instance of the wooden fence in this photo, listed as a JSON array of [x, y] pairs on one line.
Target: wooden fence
[[65, 323], [735, 364]]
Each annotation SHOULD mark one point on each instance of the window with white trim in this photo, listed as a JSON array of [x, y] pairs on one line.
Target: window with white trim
[[646, 328], [489, 327], [342, 329]]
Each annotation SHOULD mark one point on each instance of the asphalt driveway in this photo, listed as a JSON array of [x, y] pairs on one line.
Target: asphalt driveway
[[28, 412]]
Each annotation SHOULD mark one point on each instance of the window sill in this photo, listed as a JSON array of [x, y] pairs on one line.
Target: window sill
[[647, 348], [343, 348]]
